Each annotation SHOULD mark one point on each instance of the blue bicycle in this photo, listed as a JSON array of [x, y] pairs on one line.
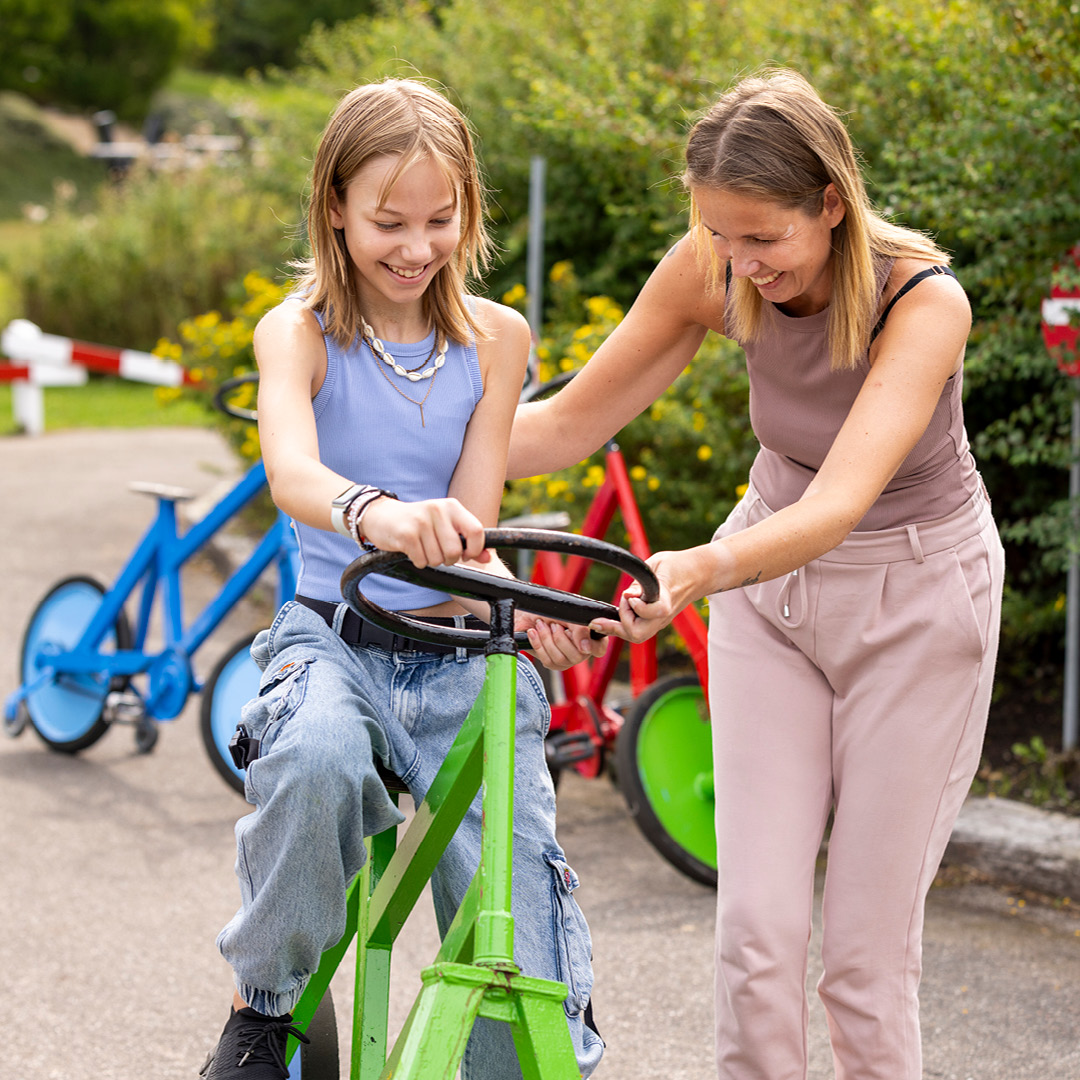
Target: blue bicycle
[[82, 666]]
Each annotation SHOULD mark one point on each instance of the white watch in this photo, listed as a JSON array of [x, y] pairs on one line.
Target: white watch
[[341, 504]]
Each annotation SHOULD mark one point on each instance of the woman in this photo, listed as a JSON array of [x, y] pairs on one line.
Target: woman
[[854, 592]]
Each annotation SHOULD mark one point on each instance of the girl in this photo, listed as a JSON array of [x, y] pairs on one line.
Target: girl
[[855, 590], [385, 403]]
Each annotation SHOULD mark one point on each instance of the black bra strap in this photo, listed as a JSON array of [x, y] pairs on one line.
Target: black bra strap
[[933, 271]]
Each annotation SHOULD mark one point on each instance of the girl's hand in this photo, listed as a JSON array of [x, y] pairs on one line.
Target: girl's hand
[[431, 532], [639, 621], [557, 645]]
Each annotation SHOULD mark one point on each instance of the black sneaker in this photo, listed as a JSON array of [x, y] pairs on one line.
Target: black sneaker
[[252, 1047]]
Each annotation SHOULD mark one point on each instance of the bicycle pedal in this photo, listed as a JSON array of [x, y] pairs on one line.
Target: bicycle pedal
[[124, 707], [563, 748]]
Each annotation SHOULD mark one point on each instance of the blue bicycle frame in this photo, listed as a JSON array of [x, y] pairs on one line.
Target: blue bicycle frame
[[157, 562]]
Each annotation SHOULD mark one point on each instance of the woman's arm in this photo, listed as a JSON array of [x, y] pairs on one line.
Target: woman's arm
[[920, 348], [642, 357], [478, 478]]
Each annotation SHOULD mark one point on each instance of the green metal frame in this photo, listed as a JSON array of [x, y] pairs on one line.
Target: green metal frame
[[474, 972]]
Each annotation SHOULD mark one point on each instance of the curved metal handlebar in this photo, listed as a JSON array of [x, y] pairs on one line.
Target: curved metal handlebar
[[464, 581], [227, 387]]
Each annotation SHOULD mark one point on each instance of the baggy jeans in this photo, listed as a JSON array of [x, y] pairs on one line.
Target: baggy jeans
[[325, 711], [858, 685]]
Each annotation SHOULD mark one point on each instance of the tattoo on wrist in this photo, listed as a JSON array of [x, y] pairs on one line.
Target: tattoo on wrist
[[742, 584]]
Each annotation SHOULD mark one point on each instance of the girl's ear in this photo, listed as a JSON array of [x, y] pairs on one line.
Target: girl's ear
[[337, 218]]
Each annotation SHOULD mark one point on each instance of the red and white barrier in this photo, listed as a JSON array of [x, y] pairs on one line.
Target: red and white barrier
[[39, 360]]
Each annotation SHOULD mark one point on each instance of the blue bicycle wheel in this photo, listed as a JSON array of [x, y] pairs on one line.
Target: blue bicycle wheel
[[66, 710], [232, 684]]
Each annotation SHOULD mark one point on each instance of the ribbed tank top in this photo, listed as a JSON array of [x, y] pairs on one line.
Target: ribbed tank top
[[797, 407], [371, 434]]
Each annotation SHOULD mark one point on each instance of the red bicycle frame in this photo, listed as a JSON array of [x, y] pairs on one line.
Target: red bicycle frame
[[583, 728]]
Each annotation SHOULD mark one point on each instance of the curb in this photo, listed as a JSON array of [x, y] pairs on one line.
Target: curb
[[1013, 843]]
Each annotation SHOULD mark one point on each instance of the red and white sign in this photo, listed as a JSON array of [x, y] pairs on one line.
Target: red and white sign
[[1061, 323]]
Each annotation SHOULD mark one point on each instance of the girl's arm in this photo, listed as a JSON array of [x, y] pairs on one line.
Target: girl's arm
[[291, 355], [642, 357], [921, 346]]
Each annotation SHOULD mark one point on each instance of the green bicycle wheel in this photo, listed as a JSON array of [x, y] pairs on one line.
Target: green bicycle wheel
[[664, 760]]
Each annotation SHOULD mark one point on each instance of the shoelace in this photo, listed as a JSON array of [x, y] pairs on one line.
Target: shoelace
[[265, 1044]]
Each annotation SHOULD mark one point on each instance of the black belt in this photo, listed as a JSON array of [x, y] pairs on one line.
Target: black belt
[[358, 631]]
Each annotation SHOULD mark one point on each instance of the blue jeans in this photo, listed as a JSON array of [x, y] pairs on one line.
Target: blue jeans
[[325, 711]]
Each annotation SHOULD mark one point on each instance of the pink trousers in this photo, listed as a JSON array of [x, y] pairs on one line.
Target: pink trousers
[[858, 685]]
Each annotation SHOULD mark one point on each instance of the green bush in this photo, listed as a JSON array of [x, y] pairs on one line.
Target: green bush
[[152, 253]]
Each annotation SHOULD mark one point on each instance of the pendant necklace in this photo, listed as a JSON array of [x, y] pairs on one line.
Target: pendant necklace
[[379, 352]]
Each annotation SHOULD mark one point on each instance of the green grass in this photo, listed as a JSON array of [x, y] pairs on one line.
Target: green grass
[[107, 403]]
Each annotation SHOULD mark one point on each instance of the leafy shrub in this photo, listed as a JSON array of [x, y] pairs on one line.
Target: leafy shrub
[[152, 253], [216, 347]]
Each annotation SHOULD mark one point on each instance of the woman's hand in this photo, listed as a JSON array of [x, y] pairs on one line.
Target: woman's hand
[[558, 645], [431, 532], [638, 620]]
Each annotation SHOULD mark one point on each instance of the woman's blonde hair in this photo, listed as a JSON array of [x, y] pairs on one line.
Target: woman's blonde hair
[[771, 137], [407, 119]]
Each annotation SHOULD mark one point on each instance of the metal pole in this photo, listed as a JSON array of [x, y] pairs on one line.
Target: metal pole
[[534, 259], [1072, 596]]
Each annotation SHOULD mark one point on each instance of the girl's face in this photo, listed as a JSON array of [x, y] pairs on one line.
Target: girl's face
[[397, 247], [787, 254]]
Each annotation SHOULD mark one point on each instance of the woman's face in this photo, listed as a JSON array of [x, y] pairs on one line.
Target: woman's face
[[787, 254], [399, 245]]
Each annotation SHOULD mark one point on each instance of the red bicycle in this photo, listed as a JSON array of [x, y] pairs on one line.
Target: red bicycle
[[661, 738]]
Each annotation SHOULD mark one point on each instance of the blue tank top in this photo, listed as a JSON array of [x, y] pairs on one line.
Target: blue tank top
[[371, 434]]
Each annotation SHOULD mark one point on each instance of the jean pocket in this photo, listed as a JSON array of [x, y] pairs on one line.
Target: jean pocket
[[573, 946], [281, 691]]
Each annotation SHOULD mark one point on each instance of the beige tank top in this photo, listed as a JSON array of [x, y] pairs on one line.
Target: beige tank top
[[797, 406]]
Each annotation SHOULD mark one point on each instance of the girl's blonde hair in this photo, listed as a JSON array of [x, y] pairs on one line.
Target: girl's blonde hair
[[771, 137], [408, 119]]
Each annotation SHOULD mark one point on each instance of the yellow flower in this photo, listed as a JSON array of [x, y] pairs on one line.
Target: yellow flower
[[514, 295], [638, 472], [699, 421], [742, 489], [704, 452], [561, 270], [653, 483]]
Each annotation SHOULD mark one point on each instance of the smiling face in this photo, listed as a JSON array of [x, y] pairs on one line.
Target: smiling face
[[786, 253], [398, 239]]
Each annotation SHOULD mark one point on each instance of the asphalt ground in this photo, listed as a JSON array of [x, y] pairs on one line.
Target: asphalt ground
[[116, 867]]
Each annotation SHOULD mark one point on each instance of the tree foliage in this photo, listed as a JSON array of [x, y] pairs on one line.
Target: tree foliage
[[94, 54]]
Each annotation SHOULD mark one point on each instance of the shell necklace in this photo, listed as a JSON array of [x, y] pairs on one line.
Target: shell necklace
[[378, 350], [415, 375]]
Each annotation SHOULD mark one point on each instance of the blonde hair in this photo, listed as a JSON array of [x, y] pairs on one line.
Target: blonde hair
[[407, 119], [771, 137]]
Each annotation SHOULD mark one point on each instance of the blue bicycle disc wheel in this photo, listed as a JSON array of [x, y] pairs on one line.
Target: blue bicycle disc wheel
[[66, 710], [232, 684]]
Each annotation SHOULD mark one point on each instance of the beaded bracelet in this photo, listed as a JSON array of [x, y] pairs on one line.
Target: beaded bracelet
[[357, 508]]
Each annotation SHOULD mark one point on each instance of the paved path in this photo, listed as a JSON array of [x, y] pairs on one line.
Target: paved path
[[116, 868]]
